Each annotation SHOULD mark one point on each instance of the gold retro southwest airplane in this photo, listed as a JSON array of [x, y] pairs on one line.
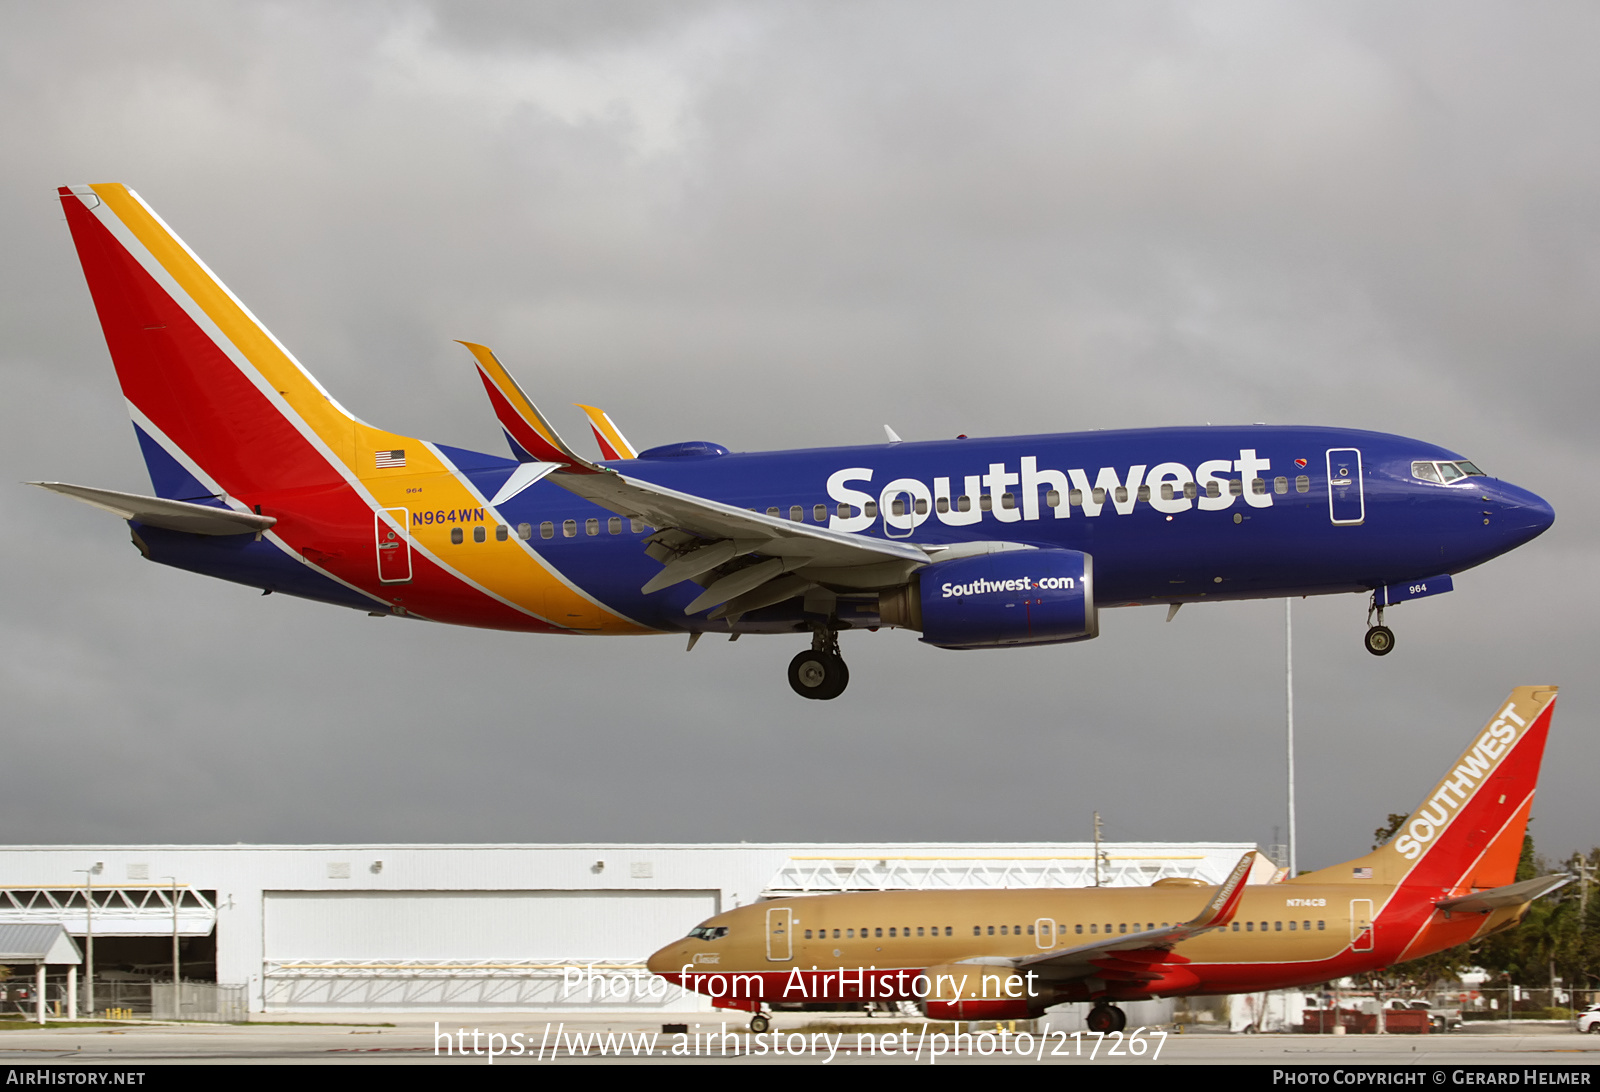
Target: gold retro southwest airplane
[[262, 478], [1446, 877]]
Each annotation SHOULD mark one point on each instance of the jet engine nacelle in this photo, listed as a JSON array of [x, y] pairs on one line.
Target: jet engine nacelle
[[982, 991], [1017, 597]]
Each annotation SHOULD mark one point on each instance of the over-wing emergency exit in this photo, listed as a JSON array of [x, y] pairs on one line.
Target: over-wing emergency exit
[[262, 478]]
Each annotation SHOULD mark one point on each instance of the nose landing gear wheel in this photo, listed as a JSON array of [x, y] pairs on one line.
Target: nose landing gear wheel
[[1380, 640], [759, 1023], [820, 675]]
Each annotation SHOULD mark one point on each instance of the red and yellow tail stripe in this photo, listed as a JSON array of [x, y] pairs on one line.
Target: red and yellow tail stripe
[[230, 401]]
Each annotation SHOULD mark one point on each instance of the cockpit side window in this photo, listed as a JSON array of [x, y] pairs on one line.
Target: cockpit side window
[[708, 932], [1444, 473]]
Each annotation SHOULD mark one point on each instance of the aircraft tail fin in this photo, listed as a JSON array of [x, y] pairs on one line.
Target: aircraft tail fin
[[1467, 833], [219, 405]]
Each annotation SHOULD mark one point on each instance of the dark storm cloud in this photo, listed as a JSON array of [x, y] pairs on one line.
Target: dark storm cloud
[[775, 225]]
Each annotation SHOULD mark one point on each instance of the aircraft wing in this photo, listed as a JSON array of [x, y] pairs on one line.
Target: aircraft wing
[[173, 515], [753, 554], [1497, 898], [1140, 955]]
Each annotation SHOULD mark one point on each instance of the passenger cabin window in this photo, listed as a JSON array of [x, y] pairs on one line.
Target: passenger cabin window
[[480, 533], [1258, 486], [525, 531], [963, 503], [1008, 500], [1280, 486], [1052, 499], [636, 526], [614, 525], [942, 504], [846, 511], [569, 528], [547, 530], [501, 533], [1144, 492], [986, 503], [592, 526], [1235, 487], [1099, 495], [797, 514], [456, 537], [819, 512], [773, 511], [871, 509], [1191, 491], [1213, 490], [922, 506], [1302, 484]]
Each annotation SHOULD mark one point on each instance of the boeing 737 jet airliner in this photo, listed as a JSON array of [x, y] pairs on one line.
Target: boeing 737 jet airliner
[[1446, 877], [262, 478]]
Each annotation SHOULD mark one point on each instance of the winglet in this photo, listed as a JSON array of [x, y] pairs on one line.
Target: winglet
[[613, 445], [1220, 910], [530, 434]]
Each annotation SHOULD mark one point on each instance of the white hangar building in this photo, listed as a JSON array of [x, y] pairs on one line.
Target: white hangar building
[[510, 927]]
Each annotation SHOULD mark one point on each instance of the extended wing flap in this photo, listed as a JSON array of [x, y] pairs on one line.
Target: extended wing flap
[[173, 515]]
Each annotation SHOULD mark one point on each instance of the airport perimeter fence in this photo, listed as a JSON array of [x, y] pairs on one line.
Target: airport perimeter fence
[[139, 999], [208, 1001]]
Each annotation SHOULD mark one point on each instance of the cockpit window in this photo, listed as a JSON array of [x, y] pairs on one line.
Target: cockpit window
[[708, 932], [1444, 473]]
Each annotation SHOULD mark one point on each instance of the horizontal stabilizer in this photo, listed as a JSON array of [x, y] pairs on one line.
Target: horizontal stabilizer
[[1498, 898], [173, 515]]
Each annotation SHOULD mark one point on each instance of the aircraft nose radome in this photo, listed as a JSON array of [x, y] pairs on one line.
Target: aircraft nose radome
[[662, 961], [1526, 515]]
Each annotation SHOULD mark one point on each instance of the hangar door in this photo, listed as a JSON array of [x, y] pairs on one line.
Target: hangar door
[[432, 925]]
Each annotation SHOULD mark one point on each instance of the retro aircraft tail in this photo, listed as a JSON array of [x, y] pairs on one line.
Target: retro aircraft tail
[[219, 405], [1467, 833]]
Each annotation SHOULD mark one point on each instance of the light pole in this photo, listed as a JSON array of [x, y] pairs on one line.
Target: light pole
[[88, 935], [177, 989], [1288, 674]]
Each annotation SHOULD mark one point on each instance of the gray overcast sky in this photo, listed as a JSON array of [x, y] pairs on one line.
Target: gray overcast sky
[[782, 225]]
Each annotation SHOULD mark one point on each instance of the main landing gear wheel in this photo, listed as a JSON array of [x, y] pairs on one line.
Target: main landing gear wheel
[[759, 1023], [820, 672], [1106, 1019], [819, 675]]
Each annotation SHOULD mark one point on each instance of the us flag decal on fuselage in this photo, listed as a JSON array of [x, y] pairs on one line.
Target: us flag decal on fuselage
[[391, 458]]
